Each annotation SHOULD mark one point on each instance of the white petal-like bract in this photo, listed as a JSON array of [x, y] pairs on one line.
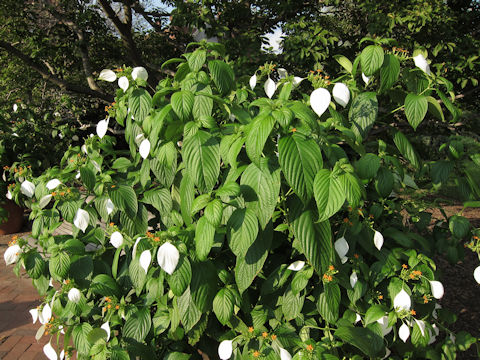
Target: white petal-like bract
[[404, 332], [353, 279], [270, 87], [341, 94], [285, 355], [365, 79], [437, 289], [123, 83], [320, 100], [27, 188], [116, 239], [341, 247], [378, 239], [50, 352], [74, 295], [110, 207], [46, 314], [139, 72], [9, 195], [421, 63], [357, 318], [297, 80], [134, 250], [102, 127], [297, 265], [225, 349], [52, 184], [107, 75], [253, 81], [383, 321], [34, 313], [421, 326], [12, 254], [145, 260], [282, 73], [168, 257], [476, 274], [15, 107], [402, 301], [106, 327], [81, 219], [45, 200], [144, 148]]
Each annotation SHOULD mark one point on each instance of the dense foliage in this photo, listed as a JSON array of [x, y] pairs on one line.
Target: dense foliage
[[250, 226]]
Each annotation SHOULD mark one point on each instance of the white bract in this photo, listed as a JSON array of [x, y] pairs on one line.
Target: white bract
[[110, 207], [378, 239], [123, 83], [437, 289], [134, 249], [365, 79], [52, 184], [81, 219], [139, 72], [9, 195], [297, 265], [50, 352], [421, 326], [15, 107], [145, 260], [102, 127], [320, 100], [476, 274], [46, 314], [167, 257], [106, 327], [116, 239], [253, 81], [285, 355], [44, 200], [74, 295], [402, 301], [34, 313], [404, 332], [297, 80], [341, 94], [341, 247], [270, 87], [12, 254], [353, 279], [383, 321], [107, 75], [421, 63], [357, 318], [27, 188], [225, 349], [144, 148], [282, 73]]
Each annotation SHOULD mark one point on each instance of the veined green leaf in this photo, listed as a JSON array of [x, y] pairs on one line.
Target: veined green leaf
[[204, 236], [389, 72], [223, 76], [197, 59], [140, 103], [371, 59], [329, 194], [406, 149], [258, 133], [243, 230], [137, 325], [416, 107], [363, 113], [182, 104], [223, 305]]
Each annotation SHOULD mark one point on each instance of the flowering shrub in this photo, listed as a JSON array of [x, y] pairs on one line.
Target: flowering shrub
[[242, 226]]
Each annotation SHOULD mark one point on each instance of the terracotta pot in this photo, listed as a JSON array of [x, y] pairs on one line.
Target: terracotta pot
[[15, 218]]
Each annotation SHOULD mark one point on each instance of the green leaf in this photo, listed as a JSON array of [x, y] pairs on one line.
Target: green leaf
[[160, 199], [406, 149], [197, 59], [164, 165], [416, 107], [248, 267], [389, 72], [181, 277], [448, 104], [353, 188], [203, 285], [459, 226], [440, 171], [344, 62], [384, 182], [363, 113], [125, 199], [435, 109], [229, 188], [368, 165], [88, 177], [329, 194], [305, 114], [374, 313], [367, 341], [243, 230], [182, 104], [176, 356], [204, 236], [213, 212], [260, 186], [137, 275], [105, 285], [137, 325], [121, 164], [189, 313], [300, 279], [187, 194], [96, 335], [329, 302], [257, 135], [371, 59], [223, 76], [201, 153], [315, 239], [140, 103], [223, 305], [34, 264], [80, 338], [202, 107], [59, 266], [300, 158]]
